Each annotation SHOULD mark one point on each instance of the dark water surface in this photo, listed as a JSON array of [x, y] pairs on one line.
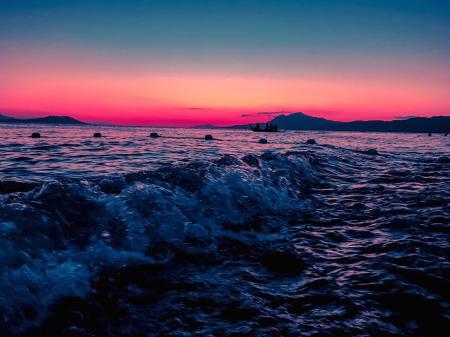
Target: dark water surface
[[127, 235]]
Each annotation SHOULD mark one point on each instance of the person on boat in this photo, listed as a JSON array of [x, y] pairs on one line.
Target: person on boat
[[273, 127]]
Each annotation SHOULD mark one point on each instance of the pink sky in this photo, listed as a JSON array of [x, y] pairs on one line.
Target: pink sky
[[99, 88]]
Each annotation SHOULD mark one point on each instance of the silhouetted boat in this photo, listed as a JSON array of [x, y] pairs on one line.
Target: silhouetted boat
[[270, 127]]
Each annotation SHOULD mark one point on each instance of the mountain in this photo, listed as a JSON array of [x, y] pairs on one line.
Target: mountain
[[66, 120], [300, 121], [204, 126]]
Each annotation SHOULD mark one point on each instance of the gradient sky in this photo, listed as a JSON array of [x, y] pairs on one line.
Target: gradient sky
[[222, 62]]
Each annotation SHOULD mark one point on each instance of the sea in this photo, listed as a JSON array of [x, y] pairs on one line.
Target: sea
[[129, 235]]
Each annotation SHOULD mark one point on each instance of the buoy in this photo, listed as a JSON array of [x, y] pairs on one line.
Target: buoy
[[263, 141], [209, 137], [372, 152], [97, 135], [35, 135], [154, 135], [311, 141]]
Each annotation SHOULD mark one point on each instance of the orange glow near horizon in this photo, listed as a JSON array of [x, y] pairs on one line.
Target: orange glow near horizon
[[91, 92]]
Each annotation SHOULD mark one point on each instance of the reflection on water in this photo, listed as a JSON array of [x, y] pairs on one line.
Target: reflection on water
[[179, 236]]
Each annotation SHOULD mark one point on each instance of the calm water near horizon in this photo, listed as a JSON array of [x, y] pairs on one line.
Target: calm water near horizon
[[71, 151], [128, 235]]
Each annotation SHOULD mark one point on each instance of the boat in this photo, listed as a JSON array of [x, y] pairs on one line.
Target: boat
[[270, 127]]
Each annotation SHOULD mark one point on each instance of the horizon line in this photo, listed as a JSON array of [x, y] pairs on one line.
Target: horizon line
[[205, 123]]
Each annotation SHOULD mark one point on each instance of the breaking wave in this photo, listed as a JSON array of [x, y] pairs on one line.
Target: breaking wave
[[320, 240], [59, 239]]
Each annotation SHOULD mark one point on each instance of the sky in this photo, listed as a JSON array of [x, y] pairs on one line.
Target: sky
[[183, 63]]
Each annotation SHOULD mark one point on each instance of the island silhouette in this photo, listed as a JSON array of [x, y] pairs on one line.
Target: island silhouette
[[42, 120], [293, 121], [302, 121]]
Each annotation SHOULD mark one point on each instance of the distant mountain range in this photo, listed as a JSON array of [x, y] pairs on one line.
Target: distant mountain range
[[301, 121], [204, 126], [294, 121], [66, 120]]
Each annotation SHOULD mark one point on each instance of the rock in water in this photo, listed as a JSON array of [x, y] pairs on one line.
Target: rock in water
[[372, 152], [444, 160], [311, 141], [209, 137], [263, 141], [154, 135], [97, 135], [35, 135]]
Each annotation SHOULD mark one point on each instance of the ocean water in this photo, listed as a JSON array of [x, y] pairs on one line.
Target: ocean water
[[128, 235]]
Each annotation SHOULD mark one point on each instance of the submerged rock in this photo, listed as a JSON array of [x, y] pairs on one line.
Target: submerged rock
[[35, 135], [311, 141], [154, 135], [444, 160], [97, 135], [263, 141], [372, 152], [209, 137]]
